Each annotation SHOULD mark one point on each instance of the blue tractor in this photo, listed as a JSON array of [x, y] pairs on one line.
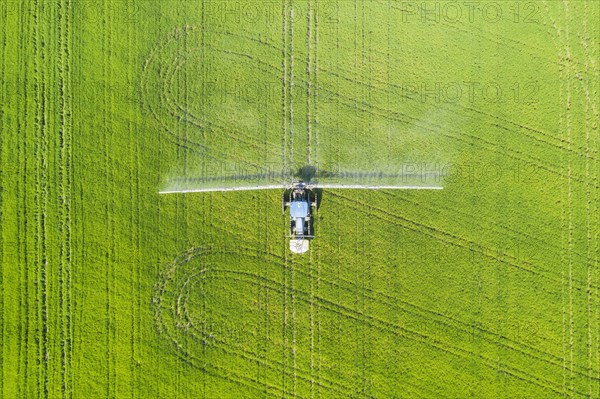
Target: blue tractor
[[300, 200]]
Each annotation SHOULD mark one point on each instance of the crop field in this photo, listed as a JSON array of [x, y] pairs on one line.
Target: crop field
[[489, 288]]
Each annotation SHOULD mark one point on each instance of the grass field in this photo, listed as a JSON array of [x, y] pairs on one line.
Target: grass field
[[487, 289]]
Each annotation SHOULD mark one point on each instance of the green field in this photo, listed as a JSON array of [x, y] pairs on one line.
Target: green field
[[489, 288]]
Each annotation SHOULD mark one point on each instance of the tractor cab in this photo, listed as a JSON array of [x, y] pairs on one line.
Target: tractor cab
[[300, 201]]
